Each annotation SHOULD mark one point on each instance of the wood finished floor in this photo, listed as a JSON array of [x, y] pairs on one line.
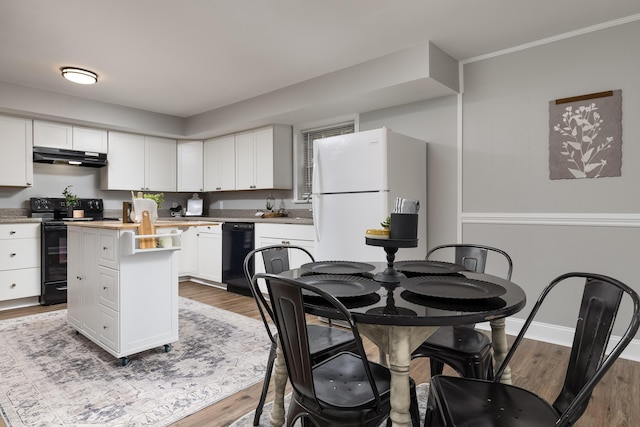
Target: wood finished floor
[[537, 366]]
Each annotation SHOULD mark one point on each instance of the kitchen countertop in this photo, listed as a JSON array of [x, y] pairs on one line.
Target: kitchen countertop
[[117, 225], [254, 219], [283, 220], [18, 219]]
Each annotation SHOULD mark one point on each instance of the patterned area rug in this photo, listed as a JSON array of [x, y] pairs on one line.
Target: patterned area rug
[[52, 376], [422, 392]]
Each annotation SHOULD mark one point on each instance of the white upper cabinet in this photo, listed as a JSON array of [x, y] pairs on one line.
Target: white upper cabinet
[[58, 135], [190, 166], [160, 164], [264, 158], [245, 161], [220, 164], [16, 143], [88, 139], [138, 162]]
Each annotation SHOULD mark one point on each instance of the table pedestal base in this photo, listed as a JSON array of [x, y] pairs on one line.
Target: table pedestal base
[[398, 342]]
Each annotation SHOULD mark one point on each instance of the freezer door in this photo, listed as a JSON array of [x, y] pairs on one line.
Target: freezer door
[[351, 163], [340, 222]]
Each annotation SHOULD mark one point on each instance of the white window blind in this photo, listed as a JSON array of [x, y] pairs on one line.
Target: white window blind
[[311, 135]]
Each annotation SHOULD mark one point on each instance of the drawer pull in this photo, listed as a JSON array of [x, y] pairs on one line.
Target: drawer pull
[[104, 248], [13, 285], [13, 254], [12, 232], [78, 277]]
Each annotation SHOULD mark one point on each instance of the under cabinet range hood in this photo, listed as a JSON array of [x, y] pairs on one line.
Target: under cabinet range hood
[[69, 157]]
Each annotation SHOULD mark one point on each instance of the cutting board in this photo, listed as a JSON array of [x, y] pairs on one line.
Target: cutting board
[[147, 228]]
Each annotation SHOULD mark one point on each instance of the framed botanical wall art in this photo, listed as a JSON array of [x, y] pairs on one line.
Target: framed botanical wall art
[[585, 136]]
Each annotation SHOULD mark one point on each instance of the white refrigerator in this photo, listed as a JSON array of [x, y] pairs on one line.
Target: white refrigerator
[[356, 179]]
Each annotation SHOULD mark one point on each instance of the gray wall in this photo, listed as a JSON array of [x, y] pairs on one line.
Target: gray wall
[[508, 200]]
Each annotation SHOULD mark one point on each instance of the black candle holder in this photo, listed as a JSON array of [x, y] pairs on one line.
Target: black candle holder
[[391, 246]]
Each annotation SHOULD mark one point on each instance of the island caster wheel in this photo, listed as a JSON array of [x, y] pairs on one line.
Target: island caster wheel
[[124, 361], [167, 348]]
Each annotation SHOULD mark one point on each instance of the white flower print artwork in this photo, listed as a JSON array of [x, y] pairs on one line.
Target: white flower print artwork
[[585, 137]]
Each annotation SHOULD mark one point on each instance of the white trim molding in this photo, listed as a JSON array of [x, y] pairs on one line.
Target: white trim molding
[[573, 219], [560, 335]]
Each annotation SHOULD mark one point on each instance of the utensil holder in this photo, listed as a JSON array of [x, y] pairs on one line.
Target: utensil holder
[[403, 226]]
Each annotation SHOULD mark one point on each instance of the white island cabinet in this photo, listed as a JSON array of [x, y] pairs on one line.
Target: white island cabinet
[[121, 297]]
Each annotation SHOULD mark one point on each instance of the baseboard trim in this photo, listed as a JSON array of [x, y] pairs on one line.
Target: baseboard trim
[[560, 335]]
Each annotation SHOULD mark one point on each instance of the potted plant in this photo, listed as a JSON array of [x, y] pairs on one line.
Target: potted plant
[[72, 203], [158, 198]]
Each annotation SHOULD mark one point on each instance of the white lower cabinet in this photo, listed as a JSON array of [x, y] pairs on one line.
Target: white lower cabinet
[[201, 254], [19, 261], [210, 252], [188, 265], [123, 299], [285, 234]]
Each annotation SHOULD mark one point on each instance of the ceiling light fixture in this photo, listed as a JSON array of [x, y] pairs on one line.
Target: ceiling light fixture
[[78, 75]]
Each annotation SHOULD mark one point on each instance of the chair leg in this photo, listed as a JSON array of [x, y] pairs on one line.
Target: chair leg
[[413, 409], [265, 385], [436, 366]]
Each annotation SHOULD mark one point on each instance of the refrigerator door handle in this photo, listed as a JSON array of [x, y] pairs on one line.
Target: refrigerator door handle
[[315, 207], [315, 177]]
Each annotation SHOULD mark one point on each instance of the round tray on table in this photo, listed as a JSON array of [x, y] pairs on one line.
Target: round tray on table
[[392, 243]]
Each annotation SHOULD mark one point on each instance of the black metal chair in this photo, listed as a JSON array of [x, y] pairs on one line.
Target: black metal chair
[[343, 390], [455, 401], [325, 341], [465, 349]]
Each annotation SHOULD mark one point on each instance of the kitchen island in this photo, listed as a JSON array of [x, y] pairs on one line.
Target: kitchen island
[[122, 296]]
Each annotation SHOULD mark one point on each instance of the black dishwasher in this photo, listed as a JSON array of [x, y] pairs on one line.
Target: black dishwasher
[[237, 242]]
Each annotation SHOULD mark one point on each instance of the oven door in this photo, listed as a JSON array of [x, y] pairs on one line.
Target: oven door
[[54, 264]]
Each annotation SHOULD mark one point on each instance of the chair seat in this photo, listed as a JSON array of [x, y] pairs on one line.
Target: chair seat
[[463, 340], [478, 403], [349, 389], [464, 348], [327, 341]]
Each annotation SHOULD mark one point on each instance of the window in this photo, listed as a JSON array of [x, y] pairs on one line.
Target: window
[[310, 135]]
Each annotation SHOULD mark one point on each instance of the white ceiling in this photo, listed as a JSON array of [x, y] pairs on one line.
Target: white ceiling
[[185, 57]]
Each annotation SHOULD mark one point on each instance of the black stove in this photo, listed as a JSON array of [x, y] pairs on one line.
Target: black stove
[[55, 209], [54, 214]]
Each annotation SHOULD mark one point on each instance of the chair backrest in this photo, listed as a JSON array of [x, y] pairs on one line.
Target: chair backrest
[[473, 257], [276, 260], [588, 361], [289, 315]]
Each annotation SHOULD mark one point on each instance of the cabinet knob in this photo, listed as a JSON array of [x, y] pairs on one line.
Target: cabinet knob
[[13, 254], [13, 285], [104, 327], [78, 277], [12, 232], [104, 248], [104, 288]]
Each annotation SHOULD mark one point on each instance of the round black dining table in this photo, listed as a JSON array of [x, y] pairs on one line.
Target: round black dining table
[[398, 317]]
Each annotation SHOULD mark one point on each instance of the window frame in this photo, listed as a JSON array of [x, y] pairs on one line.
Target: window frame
[[298, 149]]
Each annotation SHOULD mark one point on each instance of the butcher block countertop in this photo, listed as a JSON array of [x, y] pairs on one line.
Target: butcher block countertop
[[116, 225]]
